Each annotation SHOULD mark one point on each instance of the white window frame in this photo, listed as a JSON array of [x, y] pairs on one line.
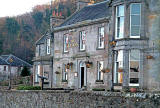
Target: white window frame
[[82, 43], [66, 43], [135, 25], [100, 74], [64, 74], [116, 23], [132, 84], [48, 45], [37, 73], [44, 71], [101, 37], [118, 60]]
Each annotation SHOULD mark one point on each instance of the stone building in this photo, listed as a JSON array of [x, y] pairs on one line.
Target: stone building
[[43, 61], [79, 41], [11, 63], [112, 44]]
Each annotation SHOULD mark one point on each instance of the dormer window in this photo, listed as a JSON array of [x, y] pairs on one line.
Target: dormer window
[[101, 37], [65, 43], [135, 20], [119, 30], [48, 46], [82, 40]]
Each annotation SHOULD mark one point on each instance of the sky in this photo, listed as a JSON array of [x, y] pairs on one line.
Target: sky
[[17, 7]]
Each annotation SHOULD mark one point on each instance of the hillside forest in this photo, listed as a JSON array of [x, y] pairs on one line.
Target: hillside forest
[[19, 34]]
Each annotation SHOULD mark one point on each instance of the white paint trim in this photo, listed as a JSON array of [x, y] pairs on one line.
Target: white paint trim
[[135, 25]]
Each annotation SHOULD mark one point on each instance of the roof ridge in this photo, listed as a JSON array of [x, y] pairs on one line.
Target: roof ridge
[[96, 3], [21, 60], [3, 60]]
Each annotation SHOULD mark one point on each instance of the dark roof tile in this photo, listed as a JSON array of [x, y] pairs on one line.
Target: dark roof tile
[[15, 61], [91, 12]]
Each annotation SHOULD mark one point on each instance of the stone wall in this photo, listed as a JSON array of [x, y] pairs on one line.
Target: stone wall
[[75, 99]]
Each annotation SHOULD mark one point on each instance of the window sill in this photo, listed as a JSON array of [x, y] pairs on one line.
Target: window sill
[[82, 50], [46, 82], [36, 82], [99, 82], [64, 81], [129, 38], [117, 84], [66, 52], [100, 48]]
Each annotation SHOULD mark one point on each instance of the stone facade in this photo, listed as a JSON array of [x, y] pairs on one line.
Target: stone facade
[[12, 64], [131, 47], [66, 99], [91, 53], [145, 44], [43, 60]]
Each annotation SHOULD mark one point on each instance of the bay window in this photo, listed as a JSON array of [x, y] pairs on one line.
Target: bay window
[[118, 67], [135, 20], [134, 60], [101, 37], [82, 40], [66, 43], [119, 22]]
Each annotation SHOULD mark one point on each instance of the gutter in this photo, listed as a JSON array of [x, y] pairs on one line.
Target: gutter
[[80, 24]]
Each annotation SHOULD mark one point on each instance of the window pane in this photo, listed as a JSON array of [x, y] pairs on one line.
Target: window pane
[[120, 10], [134, 60], [134, 80], [135, 30], [135, 19], [135, 8], [121, 27]]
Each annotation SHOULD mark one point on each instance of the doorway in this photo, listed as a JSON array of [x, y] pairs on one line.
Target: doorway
[[82, 75]]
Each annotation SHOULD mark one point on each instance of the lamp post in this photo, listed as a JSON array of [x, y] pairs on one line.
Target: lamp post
[[10, 61]]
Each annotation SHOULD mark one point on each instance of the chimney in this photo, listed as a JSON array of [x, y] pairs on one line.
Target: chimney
[[56, 19], [81, 4]]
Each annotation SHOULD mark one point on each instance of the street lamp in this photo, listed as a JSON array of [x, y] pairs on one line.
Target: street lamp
[[10, 61]]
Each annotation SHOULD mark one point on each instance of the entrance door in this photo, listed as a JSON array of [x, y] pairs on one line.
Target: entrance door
[[82, 76]]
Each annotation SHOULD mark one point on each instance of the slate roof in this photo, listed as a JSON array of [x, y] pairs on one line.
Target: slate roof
[[90, 12], [14, 61], [3, 62], [43, 38]]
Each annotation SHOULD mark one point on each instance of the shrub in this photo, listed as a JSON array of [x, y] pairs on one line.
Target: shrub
[[28, 88], [25, 72]]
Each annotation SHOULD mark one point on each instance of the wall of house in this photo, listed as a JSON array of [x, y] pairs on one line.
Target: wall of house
[[66, 99], [3, 73], [92, 53], [148, 44], [152, 66], [44, 60]]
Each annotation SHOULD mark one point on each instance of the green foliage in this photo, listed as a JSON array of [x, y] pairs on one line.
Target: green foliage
[[12, 26], [28, 88], [25, 72], [38, 19], [47, 17]]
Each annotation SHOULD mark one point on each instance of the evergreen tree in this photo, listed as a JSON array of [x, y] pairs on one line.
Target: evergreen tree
[[25, 72]]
